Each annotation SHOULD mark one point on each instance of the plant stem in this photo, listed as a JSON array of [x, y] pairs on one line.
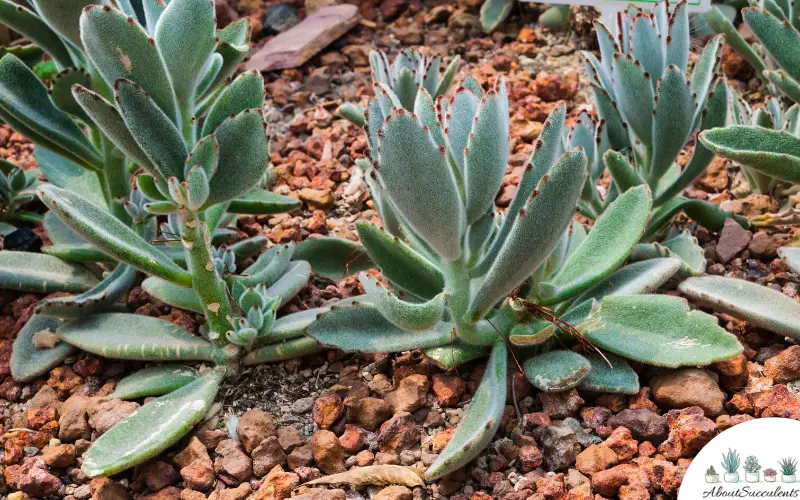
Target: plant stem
[[207, 283], [456, 284], [115, 180]]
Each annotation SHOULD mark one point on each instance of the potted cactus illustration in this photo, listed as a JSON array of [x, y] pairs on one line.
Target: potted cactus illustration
[[770, 475], [730, 464], [711, 475], [788, 468], [751, 468]]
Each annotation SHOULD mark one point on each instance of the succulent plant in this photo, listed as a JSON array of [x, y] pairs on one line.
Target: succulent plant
[[17, 188], [788, 466], [83, 141], [649, 107], [410, 72], [195, 167], [731, 461], [770, 472], [454, 263], [777, 27], [751, 464], [711, 471]]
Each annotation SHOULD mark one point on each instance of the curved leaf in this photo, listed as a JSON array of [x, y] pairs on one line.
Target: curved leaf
[[66, 174], [105, 294], [39, 273], [641, 277], [773, 152], [29, 361], [22, 20], [619, 378], [494, 12], [245, 92], [172, 294], [456, 354], [556, 371], [282, 350], [791, 255], [260, 202], [778, 36], [333, 258], [154, 381], [405, 315]]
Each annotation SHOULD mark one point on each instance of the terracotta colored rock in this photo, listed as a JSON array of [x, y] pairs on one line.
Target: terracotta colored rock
[[103, 488], [534, 420], [441, 439], [364, 458], [253, 427], [732, 372], [641, 401], [784, 367], [317, 199], [239, 493], [321, 494], [168, 493], [32, 478], [195, 450], [199, 475], [232, 462], [328, 408], [295, 46], [159, 474], [290, 438], [581, 492], [561, 404], [530, 457], [394, 493], [622, 443], [688, 387], [410, 394], [368, 413], [776, 401], [300, 457], [559, 446], [105, 413], [267, 455], [690, 430], [190, 494], [59, 456], [608, 482], [725, 422], [551, 488], [277, 485], [64, 379], [448, 389], [399, 433], [552, 87], [644, 425], [732, 239], [352, 440], [595, 458], [327, 452]]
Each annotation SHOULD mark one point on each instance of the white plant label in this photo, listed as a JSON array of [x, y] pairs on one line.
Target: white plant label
[[609, 8]]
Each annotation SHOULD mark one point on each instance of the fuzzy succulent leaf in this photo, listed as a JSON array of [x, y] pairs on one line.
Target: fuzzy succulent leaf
[[719, 23], [363, 328], [647, 46], [40, 273], [480, 421], [120, 48], [399, 263], [245, 92], [619, 378], [673, 119], [172, 294], [269, 266], [420, 182], [29, 361], [777, 36], [684, 247], [233, 46], [110, 235], [26, 106], [494, 12], [293, 280], [153, 428], [759, 305], [61, 91], [243, 156], [705, 71], [22, 20], [703, 212], [679, 39], [537, 229], [637, 278], [352, 113], [791, 255], [135, 337], [402, 314], [447, 77], [333, 258], [260, 202], [625, 176], [106, 293], [660, 330], [154, 381], [461, 111], [456, 354], [634, 96], [608, 245], [773, 152], [280, 351], [556, 371]]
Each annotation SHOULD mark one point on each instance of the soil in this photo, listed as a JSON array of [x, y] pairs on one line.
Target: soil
[[333, 411]]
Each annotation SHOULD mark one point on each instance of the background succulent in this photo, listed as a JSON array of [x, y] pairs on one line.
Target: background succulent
[[17, 188], [452, 260], [650, 106]]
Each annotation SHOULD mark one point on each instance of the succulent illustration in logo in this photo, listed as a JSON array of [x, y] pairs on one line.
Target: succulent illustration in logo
[[788, 469], [711, 475], [730, 464], [751, 469]]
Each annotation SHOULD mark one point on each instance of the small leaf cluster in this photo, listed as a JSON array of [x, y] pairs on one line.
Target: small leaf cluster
[[17, 188]]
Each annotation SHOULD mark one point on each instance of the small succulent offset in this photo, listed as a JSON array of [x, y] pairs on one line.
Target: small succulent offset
[[649, 107], [17, 187], [195, 168], [467, 281], [777, 27], [731, 461], [410, 72], [751, 464]]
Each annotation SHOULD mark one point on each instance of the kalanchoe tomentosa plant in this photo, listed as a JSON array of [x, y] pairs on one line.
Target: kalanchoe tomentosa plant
[[457, 260], [410, 72], [17, 188], [650, 106], [194, 168], [777, 27]]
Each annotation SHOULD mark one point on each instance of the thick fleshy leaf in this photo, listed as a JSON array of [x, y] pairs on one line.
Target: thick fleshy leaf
[[684, 247], [22, 20], [68, 175], [634, 96], [135, 337], [405, 86], [172, 294], [363, 328], [245, 92], [456, 354], [333, 258], [705, 71], [461, 111], [233, 45], [293, 280], [791, 255], [703, 212], [352, 113], [537, 229], [679, 37], [269, 266], [619, 378], [780, 38], [105, 294], [402, 314], [604, 249], [486, 156], [153, 428], [447, 77], [494, 12], [647, 46], [39, 273], [615, 126], [719, 23], [673, 120], [29, 361], [399, 263], [480, 421], [420, 183], [185, 39], [26, 106], [638, 278], [624, 174], [153, 130], [154, 381], [120, 48], [243, 156], [61, 90], [785, 83], [556, 371], [64, 17], [260, 202], [110, 235], [280, 351], [659, 330], [773, 152], [759, 305]]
